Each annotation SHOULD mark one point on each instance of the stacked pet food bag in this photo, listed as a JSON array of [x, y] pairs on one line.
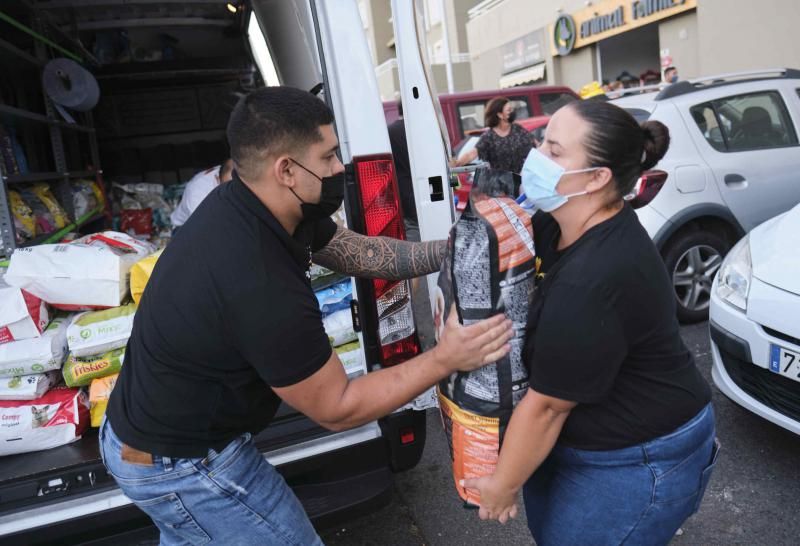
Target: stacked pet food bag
[[65, 319]]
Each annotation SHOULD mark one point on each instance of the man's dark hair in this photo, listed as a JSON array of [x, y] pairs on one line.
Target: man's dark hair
[[272, 121], [670, 69]]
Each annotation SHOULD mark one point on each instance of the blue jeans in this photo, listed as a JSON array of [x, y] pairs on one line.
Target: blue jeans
[[638, 495], [229, 497]]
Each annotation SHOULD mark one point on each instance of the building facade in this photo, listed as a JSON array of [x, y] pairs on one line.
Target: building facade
[[437, 18], [574, 42]]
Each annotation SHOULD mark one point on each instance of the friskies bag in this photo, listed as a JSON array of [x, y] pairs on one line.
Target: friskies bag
[[489, 269]]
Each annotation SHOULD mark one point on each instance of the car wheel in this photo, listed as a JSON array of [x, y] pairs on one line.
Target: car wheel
[[692, 260]]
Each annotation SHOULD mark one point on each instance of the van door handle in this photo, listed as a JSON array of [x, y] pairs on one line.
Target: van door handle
[[734, 179]]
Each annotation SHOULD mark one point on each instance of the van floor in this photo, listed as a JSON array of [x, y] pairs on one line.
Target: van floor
[[25, 465]]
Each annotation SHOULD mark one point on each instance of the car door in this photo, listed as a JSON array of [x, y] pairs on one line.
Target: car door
[[750, 140]]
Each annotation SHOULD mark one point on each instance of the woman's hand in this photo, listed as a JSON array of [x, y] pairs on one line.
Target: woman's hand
[[497, 501]]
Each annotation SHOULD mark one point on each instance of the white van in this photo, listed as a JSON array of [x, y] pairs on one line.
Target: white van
[[163, 114]]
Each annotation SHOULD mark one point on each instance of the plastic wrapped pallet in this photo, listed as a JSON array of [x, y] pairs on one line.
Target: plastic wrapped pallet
[[36, 355], [90, 273], [28, 387], [99, 393], [489, 269], [59, 417], [97, 332], [22, 315], [79, 372]]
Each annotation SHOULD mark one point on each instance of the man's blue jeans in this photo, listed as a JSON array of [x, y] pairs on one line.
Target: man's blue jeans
[[637, 496], [231, 497]]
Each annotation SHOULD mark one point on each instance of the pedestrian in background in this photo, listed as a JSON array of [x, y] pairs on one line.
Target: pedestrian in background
[[402, 169], [671, 75], [505, 145]]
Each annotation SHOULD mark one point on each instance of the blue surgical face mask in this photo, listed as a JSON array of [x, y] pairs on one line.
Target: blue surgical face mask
[[540, 177]]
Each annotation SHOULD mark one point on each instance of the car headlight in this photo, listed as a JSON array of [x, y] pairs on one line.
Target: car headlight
[[733, 282]]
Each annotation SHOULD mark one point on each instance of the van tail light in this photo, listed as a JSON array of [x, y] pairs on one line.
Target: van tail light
[[646, 188], [380, 202]]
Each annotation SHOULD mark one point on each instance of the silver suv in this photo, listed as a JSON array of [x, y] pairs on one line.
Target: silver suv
[[732, 164]]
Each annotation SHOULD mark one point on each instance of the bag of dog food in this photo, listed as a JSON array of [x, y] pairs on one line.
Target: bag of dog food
[[36, 355], [140, 274], [28, 387], [79, 372], [22, 315], [90, 273], [99, 393], [97, 332], [489, 269], [55, 419], [339, 327]]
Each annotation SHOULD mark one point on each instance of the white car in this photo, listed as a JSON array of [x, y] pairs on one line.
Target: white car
[[755, 322], [733, 163]]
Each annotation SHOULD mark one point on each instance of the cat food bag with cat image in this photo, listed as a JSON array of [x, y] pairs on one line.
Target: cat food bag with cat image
[[59, 417], [36, 355], [97, 332], [28, 387], [489, 269]]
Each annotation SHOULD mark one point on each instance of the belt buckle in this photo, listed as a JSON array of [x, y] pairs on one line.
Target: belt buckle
[[134, 456]]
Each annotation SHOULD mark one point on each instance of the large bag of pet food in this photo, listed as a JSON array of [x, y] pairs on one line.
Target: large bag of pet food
[[99, 393], [79, 372], [22, 315], [97, 332], [36, 355], [55, 419], [28, 387], [489, 268], [335, 298], [339, 327], [89, 273], [140, 275]]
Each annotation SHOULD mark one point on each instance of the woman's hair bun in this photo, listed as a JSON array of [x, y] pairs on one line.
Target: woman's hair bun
[[656, 143]]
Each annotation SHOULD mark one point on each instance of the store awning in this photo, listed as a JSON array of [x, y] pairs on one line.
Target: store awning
[[527, 75]]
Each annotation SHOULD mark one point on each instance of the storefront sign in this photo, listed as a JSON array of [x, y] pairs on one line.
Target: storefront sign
[[523, 52], [609, 18]]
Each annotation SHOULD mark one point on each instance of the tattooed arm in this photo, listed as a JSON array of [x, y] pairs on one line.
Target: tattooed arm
[[380, 257]]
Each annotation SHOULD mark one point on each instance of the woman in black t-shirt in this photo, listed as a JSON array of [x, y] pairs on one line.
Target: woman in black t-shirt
[[505, 145], [614, 441]]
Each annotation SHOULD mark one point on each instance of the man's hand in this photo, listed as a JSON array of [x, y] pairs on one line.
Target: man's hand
[[380, 257], [466, 348], [497, 502]]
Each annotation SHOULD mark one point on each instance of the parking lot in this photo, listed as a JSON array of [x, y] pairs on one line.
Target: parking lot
[[751, 499]]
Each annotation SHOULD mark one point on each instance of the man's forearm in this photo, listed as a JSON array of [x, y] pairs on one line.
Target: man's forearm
[[380, 257]]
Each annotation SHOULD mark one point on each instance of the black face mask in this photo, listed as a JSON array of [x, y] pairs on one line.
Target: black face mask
[[330, 198], [511, 117]]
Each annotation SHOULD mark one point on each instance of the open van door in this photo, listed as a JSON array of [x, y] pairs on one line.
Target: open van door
[[423, 118]]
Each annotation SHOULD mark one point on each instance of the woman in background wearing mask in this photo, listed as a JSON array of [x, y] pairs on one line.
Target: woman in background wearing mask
[[505, 145], [615, 440]]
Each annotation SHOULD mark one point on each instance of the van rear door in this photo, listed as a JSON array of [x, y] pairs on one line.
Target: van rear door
[[426, 132]]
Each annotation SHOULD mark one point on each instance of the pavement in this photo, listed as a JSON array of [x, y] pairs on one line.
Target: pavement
[[751, 499]]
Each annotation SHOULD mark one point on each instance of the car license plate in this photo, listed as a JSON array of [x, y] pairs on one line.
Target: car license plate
[[784, 362]]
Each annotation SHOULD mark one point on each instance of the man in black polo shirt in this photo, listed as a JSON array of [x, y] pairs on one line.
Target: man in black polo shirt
[[229, 326]]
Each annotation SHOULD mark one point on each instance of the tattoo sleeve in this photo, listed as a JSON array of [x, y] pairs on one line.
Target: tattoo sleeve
[[380, 257]]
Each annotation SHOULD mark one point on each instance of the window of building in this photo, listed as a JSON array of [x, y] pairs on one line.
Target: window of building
[[745, 122], [550, 102]]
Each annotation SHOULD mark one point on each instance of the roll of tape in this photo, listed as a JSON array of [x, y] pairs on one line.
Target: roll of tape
[[69, 84]]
